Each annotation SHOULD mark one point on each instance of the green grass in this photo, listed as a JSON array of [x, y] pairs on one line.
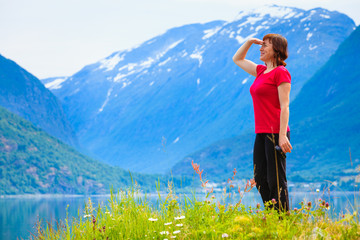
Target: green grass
[[129, 216]]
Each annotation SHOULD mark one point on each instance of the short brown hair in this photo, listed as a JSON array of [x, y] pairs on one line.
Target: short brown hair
[[279, 44]]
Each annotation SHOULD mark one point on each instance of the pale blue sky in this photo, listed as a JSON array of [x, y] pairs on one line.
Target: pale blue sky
[[58, 37]]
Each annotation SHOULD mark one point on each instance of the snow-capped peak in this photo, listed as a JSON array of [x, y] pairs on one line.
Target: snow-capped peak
[[273, 11]]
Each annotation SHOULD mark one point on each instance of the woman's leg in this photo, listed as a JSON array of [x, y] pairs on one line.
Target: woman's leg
[[276, 171], [260, 167]]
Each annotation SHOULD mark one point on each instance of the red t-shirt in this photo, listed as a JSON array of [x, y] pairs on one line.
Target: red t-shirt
[[264, 92]]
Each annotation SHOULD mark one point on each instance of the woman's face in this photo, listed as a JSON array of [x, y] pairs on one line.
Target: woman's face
[[267, 51]]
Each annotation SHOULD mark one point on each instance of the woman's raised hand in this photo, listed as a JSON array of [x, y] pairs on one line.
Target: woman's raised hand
[[256, 41], [239, 57]]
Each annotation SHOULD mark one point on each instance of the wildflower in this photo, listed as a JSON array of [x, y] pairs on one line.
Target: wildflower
[[242, 219], [317, 190], [167, 223], [234, 172], [212, 196], [204, 183], [173, 237], [309, 204], [107, 212], [327, 205], [224, 235], [258, 205], [164, 232], [273, 201], [152, 219], [295, 209], [87, 216], [179, 225], [196, 167], [176, 232], [179, 218]]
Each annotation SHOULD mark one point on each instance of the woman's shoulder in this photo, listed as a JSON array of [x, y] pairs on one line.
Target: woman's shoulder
[[282, 75], [260, 68], [282, 68]]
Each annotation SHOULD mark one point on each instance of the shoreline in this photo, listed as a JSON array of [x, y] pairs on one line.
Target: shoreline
[[55, 195]]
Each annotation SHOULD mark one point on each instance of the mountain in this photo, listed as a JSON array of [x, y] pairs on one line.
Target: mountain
[[24, 94], [147, 107], [325, 131], [31, 161]]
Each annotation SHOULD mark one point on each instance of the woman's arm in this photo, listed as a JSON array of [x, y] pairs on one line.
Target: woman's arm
[[284, 98], [239, 57]]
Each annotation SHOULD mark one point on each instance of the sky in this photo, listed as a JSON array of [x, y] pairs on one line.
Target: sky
[[51, 38]]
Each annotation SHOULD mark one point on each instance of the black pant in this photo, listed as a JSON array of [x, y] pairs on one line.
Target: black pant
[[265, 173]]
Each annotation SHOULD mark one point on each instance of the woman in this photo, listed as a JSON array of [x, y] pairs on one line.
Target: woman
[[270, 93]]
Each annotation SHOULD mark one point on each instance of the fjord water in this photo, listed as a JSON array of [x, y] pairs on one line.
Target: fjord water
[[19, 215]]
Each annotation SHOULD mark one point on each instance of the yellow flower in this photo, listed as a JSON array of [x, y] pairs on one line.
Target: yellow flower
[[256, 230], [242, 219]]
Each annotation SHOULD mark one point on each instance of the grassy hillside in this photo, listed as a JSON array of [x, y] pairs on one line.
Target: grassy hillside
[[31, 161]]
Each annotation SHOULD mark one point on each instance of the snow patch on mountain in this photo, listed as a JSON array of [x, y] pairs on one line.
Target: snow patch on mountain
[[312, 12], [312, 47], [171, 46], [148, 62], [261, 27], [211, 90], [111, 62], [210, 32], [273, 11], [106, 100], [197, 54], [56, 84], [324, 16], [164, 62], [309, 35], [242, 40]]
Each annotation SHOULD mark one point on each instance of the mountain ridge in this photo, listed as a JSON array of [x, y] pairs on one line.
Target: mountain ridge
[[23, 94], [146, 108]]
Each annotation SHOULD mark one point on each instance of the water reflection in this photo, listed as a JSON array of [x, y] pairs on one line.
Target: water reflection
[[19, 215]]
